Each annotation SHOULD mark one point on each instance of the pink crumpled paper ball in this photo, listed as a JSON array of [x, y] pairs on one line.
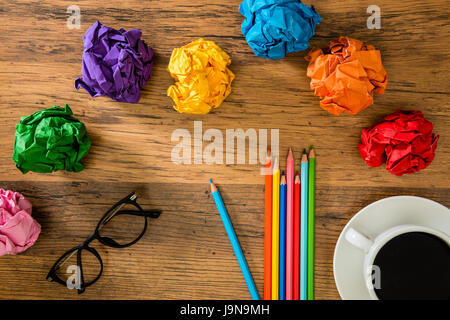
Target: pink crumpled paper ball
[[18, 230]]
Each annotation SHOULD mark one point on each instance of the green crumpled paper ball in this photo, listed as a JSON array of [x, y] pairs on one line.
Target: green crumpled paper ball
[[50, 140]]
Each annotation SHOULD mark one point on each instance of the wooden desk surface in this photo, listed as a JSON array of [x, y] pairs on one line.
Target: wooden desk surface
[[186, 253]]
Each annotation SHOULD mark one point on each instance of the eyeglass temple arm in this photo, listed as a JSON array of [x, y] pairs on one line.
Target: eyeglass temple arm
[[146, 213], [62, 262]]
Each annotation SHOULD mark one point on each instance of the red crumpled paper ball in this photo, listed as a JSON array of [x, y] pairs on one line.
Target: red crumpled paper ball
[[403, 139]]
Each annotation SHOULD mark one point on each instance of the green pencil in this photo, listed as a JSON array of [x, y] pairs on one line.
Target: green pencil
[[311, 197]]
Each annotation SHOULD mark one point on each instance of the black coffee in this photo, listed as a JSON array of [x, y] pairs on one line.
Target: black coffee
[[413, 265]]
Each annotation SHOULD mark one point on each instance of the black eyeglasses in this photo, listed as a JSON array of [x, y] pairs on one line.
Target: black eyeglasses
[[121, 226]]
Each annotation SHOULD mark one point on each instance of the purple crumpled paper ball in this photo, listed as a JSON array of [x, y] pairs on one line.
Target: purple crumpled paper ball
[[116, 63]]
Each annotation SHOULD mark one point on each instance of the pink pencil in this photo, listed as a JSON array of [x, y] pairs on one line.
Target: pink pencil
[[290, 227]]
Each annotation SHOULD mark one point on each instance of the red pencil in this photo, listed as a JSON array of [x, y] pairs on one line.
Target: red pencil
[[268, 228], [296, 277]]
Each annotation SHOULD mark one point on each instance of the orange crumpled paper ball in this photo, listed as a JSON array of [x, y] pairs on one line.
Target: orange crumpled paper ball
[[346, 74], [203, 79]]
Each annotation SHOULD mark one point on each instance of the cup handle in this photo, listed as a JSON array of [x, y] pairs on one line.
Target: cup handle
[[358, 240]]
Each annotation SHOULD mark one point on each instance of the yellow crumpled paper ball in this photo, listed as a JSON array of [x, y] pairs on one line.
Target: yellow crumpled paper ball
[[203, 79]]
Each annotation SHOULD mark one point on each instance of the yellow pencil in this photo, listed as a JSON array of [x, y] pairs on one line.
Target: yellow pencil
[[275, 228]]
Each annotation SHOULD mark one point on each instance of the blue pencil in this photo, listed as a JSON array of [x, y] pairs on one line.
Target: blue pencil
[[234, 242], [304, 228], [282, 282]]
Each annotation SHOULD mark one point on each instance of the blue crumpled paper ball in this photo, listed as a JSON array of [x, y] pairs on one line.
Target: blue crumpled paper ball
[[273, 28]]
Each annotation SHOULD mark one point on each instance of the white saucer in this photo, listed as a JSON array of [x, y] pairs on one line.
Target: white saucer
[[373, 220]]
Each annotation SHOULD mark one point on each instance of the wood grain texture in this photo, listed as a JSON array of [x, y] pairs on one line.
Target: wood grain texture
[[186, 253]]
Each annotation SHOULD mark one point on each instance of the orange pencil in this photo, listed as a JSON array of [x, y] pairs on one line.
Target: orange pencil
[[296, 276], [268, 228]]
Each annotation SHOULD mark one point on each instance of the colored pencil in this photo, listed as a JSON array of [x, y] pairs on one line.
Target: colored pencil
[[268, 228], [282, 282], [296, 275], [304, 227], [275, 228], [289, 225], [234, 241], [311, 196]]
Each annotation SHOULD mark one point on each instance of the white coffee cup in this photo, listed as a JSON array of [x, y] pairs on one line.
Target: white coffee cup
[[371, 247]]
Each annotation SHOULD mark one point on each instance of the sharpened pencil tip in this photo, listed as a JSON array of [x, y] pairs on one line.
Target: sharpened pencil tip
[[213, 186], [282, 173], [304, 157], [290, 155], [304, 151]]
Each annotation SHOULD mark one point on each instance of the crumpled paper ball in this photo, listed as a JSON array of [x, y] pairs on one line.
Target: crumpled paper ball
[[203, 79], [18, 230], [116, 63], [50, 140], [346, 74], [274, 28], [403, 139]]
